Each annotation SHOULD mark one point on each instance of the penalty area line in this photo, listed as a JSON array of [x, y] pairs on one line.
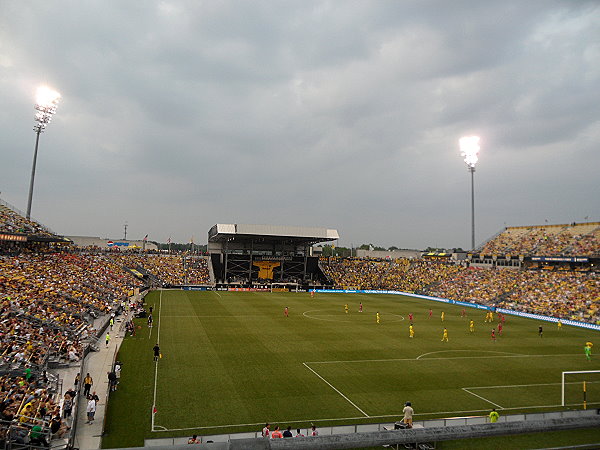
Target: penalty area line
[[336, 390], [483, 398]]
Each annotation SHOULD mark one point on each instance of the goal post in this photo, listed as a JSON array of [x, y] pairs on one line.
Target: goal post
[[583, 383]]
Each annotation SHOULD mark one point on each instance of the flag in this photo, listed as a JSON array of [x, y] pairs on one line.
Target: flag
[[154, 411], [146, 238], [169, 240], [371, 247], [192, 240]]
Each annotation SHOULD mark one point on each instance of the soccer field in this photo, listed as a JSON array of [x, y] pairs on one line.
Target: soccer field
[[232, 361]]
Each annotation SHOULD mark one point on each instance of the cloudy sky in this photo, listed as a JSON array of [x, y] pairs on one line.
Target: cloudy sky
[[345, 114]]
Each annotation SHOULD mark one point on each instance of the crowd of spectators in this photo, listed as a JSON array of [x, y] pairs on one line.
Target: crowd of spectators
[[12, 222], [555, 240], [412, 276], [48, 302], [169, 269], [355, 273]]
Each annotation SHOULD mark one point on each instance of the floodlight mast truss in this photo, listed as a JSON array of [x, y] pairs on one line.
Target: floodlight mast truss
[[46, 103], [469, 149]]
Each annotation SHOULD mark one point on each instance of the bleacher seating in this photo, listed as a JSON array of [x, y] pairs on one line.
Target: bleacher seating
[[48, 302], [13, 222], [548, 240], [169, 269]]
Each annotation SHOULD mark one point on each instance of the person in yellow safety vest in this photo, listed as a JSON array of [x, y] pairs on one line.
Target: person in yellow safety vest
[[494, 416]]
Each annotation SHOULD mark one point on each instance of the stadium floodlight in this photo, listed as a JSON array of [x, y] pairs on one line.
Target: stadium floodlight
[[46, 102], [469, 149]]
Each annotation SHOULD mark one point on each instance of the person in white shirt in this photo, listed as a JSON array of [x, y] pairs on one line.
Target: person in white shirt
[[408, 414]]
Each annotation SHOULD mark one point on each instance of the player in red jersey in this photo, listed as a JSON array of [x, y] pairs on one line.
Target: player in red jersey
[[430, 313], [500, 329], [286, 312], [410, 318], [494, 334]]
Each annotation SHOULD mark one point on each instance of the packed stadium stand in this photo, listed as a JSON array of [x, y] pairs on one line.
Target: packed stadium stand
[[14, 222], [168, 270], [576, 239]]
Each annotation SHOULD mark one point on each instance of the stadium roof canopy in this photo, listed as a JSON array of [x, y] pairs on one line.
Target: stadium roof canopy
[[299, 235]]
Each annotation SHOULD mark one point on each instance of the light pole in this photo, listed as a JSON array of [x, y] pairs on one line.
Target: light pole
[[45, 105], [469, 149]]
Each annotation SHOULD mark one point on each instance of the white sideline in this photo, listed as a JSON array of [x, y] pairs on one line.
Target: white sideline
[[360, 417], [156, 364]]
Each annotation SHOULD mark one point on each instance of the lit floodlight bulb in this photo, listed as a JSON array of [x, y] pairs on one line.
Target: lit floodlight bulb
[[46, 97], [469, 148]]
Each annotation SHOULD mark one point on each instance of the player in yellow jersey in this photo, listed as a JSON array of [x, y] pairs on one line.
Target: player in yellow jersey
[[445, 336], [346, 308], [471, 326], [411, 332], [377, 317], [559, 324], [443, 316]]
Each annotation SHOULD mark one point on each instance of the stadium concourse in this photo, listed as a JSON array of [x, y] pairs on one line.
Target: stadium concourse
[[58, 301]]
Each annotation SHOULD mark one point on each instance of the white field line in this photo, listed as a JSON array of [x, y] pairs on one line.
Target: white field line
[[303, 421], [470, 351], [483, 398], [335, 389], [193, 316], [527, 385], [436, 359], [156, 364], [321, 317]]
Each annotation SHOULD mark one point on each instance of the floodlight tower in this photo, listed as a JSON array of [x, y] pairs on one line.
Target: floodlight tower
[[45, 105], [469, 149]]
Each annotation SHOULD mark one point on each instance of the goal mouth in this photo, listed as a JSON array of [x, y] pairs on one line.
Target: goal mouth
[[580, 387]]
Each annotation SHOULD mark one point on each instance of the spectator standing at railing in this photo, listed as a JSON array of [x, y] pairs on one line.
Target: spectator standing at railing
[[90, 409], [67, 406], [408, 414]]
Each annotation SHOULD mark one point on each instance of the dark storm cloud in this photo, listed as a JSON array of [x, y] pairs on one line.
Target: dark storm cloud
[[177, 115]]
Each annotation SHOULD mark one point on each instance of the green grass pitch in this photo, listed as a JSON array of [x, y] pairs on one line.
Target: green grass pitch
[[232, 361]]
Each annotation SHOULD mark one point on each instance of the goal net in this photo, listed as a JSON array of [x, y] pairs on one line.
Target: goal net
[[580, 388]]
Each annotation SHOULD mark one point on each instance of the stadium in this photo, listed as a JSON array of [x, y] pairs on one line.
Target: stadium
[[248, 225], [345, 342]]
